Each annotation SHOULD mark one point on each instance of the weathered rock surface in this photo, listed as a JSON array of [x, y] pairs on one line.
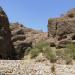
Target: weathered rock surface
[[70, 14], [23, 38], [6, 47], [63, 28]]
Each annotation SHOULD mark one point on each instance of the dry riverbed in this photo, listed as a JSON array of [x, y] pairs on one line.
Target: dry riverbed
[[21, 67]]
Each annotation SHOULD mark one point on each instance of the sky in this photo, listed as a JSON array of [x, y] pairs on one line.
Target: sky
[[35, 13]]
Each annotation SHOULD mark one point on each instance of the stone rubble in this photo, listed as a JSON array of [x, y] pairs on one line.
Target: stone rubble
[[20, 67]]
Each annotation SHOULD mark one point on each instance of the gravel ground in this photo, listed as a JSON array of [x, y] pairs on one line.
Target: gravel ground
[[20, 67]]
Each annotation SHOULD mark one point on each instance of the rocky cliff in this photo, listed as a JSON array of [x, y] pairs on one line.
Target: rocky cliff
[[62, 28], [23, 38], [6, 47]]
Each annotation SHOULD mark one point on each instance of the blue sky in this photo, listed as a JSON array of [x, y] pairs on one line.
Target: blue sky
[[35, 13]]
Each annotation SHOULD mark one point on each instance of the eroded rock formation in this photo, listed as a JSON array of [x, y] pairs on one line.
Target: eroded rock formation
[[24, 38], [6, 47], [62, 29]]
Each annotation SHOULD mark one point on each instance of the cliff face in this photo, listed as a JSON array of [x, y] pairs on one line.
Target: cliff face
[[62, 28], [6, 48]]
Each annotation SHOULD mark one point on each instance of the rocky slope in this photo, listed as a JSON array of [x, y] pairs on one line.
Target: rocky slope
[[23, 38]]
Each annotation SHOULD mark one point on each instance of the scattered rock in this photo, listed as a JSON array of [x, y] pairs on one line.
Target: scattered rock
[[19, 67], [24, 38]]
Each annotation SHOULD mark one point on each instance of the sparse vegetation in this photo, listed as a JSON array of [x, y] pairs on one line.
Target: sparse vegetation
[[68, 59], [70, 50], [69, 53], [50, 54], [60, 53], [42, 45], [34, 52], [56, 19], [44, 48], [39, 48]]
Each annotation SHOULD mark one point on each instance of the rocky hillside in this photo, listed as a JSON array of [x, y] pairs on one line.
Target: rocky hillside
[[23, 38]]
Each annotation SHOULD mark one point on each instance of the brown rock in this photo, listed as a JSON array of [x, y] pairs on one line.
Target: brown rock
[[23, 38], [6, 47], [60, 28]]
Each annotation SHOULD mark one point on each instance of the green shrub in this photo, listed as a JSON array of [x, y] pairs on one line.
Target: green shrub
[[47, 51], [42, 45], [70, 49], [68, 59], [50, 54], [69, 53], [34, 52]]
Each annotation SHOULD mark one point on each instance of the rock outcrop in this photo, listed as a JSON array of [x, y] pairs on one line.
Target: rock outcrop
[[62, 28], [6, 47], [24, 38]]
